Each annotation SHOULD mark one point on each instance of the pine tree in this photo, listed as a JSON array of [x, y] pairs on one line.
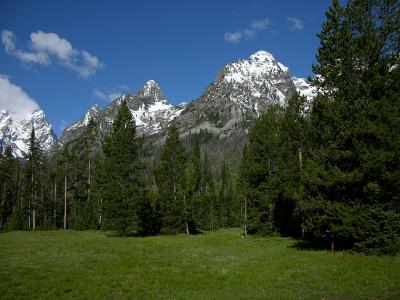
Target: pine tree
[[31, 183], [292, 151], [124, 190], [209, 211], [355, 127], [9, 175], [259, 169], [170, 177]]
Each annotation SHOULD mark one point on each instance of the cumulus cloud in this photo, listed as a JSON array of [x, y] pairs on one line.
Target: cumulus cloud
[[9, 41], [248, 33], [106, 96], [295, 23], [47, 46], [14, 100]]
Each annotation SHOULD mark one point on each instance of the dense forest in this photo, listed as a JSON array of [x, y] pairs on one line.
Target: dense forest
[[327, 172]]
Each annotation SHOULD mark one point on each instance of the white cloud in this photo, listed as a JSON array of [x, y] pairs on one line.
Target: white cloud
[[46, 45], [233, 37], [100, 94], [248, 33], [106, 96], [113, 96], [123, 87], [261, 24], [295, 23], [51, 43], [14, 100], [9, 41]]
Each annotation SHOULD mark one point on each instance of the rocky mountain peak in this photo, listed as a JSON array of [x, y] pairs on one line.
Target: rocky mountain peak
[[17, 131], [256, 68], [151, 89]]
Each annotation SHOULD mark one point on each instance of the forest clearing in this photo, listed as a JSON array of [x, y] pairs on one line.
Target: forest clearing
[[214, 265]]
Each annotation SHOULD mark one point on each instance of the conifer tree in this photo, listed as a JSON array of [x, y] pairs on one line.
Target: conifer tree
[[32, 182], [259, 169], [209, 211], [124, 190], [170, 177], [355, 128], [9, 175]]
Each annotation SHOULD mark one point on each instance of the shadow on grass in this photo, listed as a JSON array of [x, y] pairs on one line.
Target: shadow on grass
[[307, 245]]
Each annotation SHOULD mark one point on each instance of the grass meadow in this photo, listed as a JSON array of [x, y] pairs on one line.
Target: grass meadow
[[217, 265]]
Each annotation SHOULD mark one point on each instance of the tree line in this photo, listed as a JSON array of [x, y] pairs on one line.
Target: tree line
[[106, 184]]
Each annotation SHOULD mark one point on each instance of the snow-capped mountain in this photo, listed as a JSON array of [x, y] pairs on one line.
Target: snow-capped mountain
[[16, 131], [152, 113], [242, 90]]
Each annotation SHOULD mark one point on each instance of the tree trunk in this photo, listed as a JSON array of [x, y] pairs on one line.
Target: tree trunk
[[186, 215], [34, 212], [245, 216], [55, 204], [65, 202], [300, 158], [32, 206]]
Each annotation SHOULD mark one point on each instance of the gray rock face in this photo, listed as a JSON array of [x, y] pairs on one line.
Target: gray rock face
[[17, 132], [152, 113], [241, 92]]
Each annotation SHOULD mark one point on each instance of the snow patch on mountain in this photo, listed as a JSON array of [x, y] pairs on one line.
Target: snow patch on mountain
[[17, 132], [304, 87]]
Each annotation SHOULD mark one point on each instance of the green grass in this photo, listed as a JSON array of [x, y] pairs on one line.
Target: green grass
[[221, 265]]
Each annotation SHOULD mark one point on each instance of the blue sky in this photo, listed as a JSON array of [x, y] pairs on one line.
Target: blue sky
[[68, 55]]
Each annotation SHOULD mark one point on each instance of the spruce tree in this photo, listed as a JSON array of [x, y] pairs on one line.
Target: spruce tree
[[352, 174], [29, 209], [9, 175], [170, 177], [124, 189], [259, 179]]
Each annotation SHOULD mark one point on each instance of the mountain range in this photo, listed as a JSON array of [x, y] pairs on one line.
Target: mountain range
[[241, 91]]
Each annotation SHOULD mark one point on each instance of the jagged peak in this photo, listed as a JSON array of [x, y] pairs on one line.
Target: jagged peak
[[260, 64], [262, 56], [151, 89]]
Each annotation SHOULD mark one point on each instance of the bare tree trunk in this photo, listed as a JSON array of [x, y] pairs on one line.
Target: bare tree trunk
[[3, 204], [245, 216], [186, 214], [32, 198], [43, 206], [34, 212], [55, 203], [100, 210], [300, 158], [65, 202], [88, 192]]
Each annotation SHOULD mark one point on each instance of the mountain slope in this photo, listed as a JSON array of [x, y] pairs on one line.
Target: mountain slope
[[152, 113], [16, 131], [242, 91]]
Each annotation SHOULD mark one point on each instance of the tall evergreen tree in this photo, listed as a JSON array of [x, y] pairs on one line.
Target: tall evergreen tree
[[170, 177], [258, 172], [209, 210], [353, 172], [32, 183], [124, 189], [9, 177]]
